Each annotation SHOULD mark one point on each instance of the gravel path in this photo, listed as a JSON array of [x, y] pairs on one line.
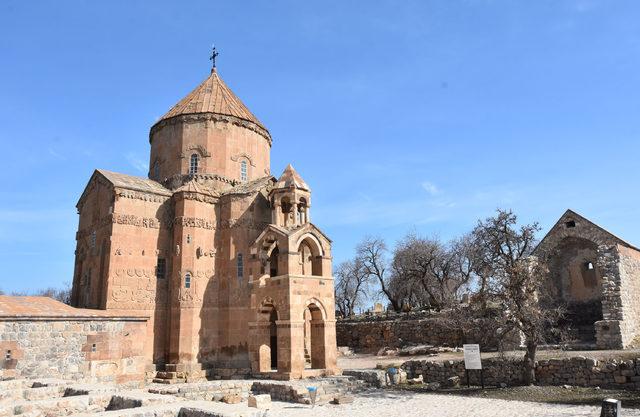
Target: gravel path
[[381, 403]]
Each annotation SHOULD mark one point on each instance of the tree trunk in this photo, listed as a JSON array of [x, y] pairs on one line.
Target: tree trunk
[[529, 370]]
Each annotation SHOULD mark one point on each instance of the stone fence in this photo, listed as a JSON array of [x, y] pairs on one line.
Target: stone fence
[[577, 371], [369, 335]]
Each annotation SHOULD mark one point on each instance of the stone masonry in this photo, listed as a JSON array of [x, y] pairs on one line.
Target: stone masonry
[[597, 276]]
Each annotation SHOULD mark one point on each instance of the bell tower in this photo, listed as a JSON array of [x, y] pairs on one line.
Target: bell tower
[[290, 200]]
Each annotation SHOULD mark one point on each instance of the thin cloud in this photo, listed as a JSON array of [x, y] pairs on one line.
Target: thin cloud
[[137, 163], [430, 188]]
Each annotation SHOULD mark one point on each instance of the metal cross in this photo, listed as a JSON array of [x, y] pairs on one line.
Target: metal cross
[[213, 56]]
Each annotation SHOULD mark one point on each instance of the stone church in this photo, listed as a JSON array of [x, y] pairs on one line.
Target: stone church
[[219, 254], [596, 275]]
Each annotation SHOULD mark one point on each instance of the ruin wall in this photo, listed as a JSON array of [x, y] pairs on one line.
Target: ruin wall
[[576, 371], [369, 335], [96, 350]]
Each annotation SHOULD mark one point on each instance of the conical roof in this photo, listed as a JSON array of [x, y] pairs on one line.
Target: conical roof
[[213, 96], [290, 178]]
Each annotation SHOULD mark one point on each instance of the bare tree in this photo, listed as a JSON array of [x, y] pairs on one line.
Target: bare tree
[[515, 280], [351, 284], [372, 253], [437, 270]]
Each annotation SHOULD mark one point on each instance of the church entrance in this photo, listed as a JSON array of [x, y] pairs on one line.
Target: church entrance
[[273, 339]]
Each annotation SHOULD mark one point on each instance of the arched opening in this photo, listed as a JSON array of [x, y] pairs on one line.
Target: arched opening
[[193, 164], [244, 173], [268, 338], [287, 212], [310, 257], [273, 262], [576, 281], [273, 339], [314, 338], [302, 211]]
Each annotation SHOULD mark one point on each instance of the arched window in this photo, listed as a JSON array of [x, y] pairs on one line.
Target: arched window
[[193, 165], [240, 267], [187, 280], [243, 171]]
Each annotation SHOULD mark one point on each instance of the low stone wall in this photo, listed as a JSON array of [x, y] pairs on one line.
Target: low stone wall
[[96, 349], [578, 371], [370, 334]]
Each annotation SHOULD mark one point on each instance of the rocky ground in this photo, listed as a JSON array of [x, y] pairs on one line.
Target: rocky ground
[[411, 404]]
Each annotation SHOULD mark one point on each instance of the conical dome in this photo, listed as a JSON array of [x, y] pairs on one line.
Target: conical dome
[[213, 96], [290, 178]]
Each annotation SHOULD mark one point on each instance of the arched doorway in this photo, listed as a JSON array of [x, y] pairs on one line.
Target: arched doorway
[[314, 338], [267, 337], [273, 339], [576, 281]]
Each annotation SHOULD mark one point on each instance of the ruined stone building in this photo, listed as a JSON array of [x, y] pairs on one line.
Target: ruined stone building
[[597, 276], [219, 254]]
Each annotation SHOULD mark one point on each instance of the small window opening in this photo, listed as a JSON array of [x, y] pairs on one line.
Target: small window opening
[[243, 171], [590, 266], [187, 280], [193, 164], [188, 238], [8, 355], [94, 348], [161, 268], [570, 224], [240, 267]]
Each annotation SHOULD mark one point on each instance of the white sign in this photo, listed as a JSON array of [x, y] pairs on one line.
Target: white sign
[[472, 357]]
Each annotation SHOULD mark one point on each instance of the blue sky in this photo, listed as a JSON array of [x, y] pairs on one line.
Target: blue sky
[[402, 115]]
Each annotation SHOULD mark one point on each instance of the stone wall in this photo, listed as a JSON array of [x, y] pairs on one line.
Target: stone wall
[[91, 350], [368, 335], [630, 294], [579, 371]]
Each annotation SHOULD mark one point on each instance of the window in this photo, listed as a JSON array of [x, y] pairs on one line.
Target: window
[[570, 224], [590, 266], [161, 268], [187, 280], [188, 238], [240, 266], [193, 165], [94, 347], [92, 239], [8, 355], [243, 171]]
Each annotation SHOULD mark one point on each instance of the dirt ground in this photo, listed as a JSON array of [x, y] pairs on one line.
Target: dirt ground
[[368, 361], [546, 394]]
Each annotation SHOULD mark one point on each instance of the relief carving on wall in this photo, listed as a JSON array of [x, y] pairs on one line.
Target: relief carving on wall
[[196, 222]]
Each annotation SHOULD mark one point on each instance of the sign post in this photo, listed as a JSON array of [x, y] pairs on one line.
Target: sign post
[[472, 361]]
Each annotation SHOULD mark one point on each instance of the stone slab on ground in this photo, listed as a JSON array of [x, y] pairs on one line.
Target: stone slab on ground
[[260, 401]]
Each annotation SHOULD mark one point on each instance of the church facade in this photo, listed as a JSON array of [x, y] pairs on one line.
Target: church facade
[[219, 254]]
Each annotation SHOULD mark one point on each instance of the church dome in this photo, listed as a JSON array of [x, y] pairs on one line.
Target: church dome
[[213, 96]]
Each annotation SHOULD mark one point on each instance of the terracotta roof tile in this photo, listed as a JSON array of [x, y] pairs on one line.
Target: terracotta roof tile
[[213, 96]]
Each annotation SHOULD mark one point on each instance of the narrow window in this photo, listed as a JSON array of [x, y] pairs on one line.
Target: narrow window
[[161, 268], [8, 355], [243, 171], [193, 165], [590, 266], [94, 347], [240, 266], [570, 224], [188, 238], [187, 280], [92, 239]]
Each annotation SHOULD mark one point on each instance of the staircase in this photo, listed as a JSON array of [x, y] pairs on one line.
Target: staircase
[[176, 374]]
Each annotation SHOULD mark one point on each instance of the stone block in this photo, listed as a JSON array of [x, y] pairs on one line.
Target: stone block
[[232, 399], [343, 399], [261, 401]]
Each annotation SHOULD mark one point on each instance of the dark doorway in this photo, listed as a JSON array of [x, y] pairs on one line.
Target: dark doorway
[[273, 339]]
